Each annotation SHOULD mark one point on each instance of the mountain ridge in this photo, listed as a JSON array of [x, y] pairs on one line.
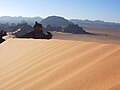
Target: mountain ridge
[[56, 21], [38, 17], [95, 23], [19, 19]]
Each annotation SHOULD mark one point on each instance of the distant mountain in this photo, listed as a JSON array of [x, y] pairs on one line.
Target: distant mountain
[[16, 20], [58, 21], [95, 23], [55, 21]]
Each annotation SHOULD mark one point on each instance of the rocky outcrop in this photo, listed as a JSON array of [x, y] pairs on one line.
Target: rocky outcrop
[[37, 33], [75, 29], [2, 33], [23, 29]]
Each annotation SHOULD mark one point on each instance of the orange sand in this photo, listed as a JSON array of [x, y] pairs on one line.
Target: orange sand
[[59, 65]]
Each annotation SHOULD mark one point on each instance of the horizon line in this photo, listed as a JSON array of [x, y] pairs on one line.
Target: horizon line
[[62, 17]]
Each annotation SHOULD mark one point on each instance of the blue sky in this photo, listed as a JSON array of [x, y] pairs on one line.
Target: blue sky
[[107, 10]]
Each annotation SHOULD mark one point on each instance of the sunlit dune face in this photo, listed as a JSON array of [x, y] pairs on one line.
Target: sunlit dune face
[[59, 65]]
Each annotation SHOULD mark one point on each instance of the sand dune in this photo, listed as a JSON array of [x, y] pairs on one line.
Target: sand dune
[[59, 65]]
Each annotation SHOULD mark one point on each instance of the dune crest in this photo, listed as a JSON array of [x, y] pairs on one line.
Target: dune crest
[[59, 65]]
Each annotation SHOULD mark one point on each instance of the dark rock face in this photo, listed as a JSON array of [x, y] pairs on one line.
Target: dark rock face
[[2, 33], [75, 29], [55, 21], [37, 35]]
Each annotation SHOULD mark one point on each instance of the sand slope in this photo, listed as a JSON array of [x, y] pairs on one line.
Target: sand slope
[[59, 65]]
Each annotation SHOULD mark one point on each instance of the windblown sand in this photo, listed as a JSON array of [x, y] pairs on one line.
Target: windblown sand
[[59, 65]]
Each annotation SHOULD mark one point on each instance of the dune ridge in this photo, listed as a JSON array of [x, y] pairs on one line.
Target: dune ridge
[[28, 64]]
